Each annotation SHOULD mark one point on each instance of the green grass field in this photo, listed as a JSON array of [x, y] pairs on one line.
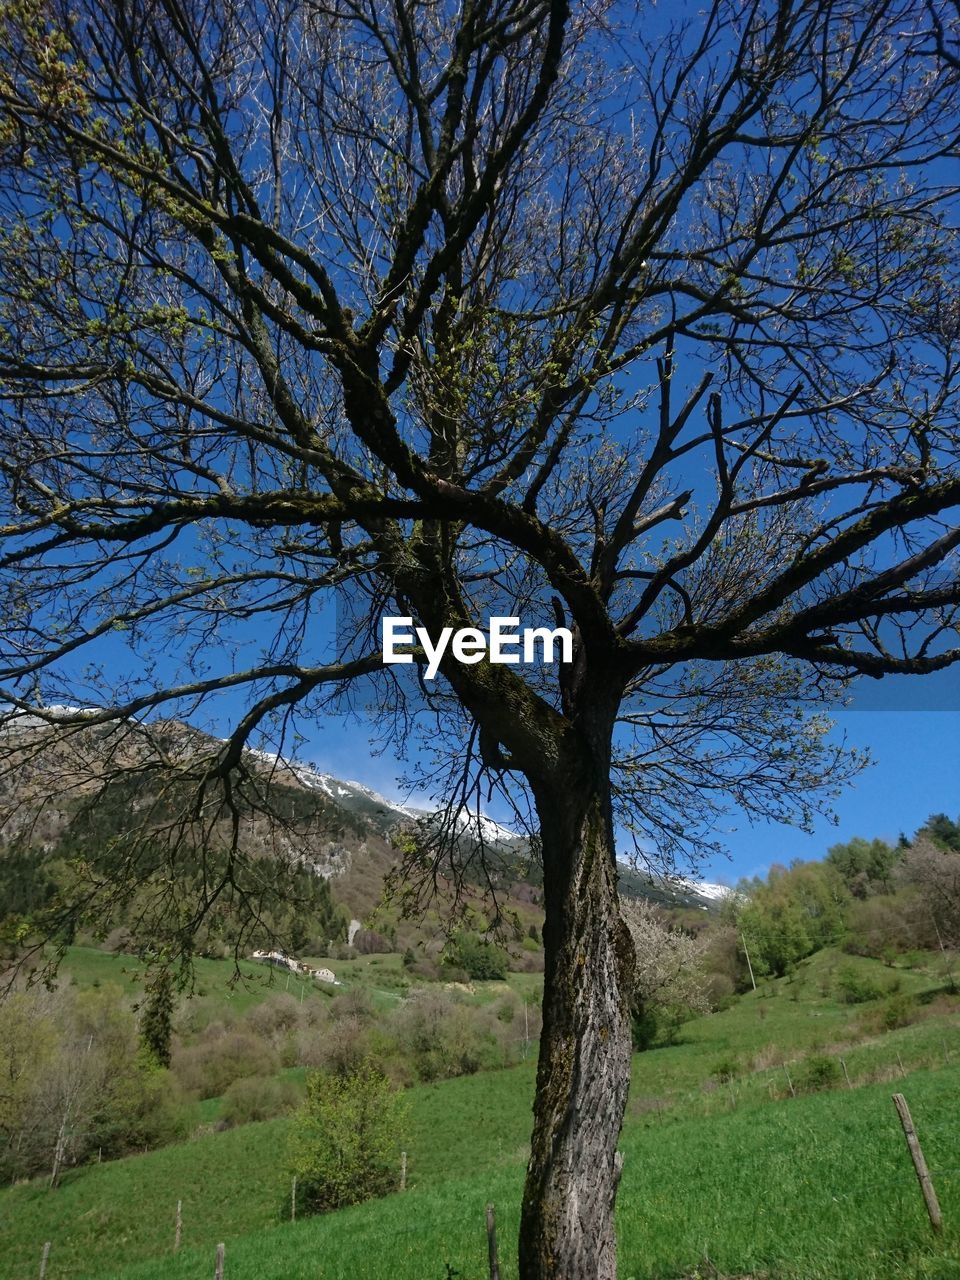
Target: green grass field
[[719, 1177], [820, 1187], [215, 981]]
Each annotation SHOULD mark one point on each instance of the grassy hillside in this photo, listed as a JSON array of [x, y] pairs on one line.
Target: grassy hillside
[[214, 980], [813, 1188], [216, 983], [718, 1164], [816, 1189]]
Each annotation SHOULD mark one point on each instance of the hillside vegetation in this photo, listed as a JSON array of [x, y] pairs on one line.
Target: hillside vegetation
[[760, 1139], [722, 1163]]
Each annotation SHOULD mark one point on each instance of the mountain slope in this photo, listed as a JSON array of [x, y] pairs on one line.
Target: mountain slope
[[61, 796]]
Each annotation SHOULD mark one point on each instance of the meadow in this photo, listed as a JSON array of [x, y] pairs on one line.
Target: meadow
[[725, 1173]]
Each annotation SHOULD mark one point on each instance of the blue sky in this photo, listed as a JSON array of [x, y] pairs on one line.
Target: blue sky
[[910, 726], [916, 773]]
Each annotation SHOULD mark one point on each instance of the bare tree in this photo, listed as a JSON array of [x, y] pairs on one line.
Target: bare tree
[[643, 325], [68, 1079]]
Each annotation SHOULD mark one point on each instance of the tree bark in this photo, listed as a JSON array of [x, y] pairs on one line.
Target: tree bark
[[567, 1225]]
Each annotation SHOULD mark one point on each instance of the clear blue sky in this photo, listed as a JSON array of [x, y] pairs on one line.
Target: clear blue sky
[[916, 773], [910, 726]]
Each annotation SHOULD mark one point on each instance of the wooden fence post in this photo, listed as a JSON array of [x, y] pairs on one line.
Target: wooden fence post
[[793, 1091], [403, 1171], [846, 1075], [919, 1164], [492, 1243], [903, 1070], [178, 1227], [293, 1199], [43, 1260], [221, 1251]]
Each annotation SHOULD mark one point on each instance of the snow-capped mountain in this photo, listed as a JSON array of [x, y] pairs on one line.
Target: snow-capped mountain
[[353, 821], [358, 798]]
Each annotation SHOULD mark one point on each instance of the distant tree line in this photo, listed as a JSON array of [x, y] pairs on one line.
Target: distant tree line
[[306, 920], [874, 898]]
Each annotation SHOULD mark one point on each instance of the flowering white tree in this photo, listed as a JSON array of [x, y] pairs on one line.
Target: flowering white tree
[[669, 977]]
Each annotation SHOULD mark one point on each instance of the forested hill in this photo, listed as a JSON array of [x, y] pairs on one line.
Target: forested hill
[[66, 803]]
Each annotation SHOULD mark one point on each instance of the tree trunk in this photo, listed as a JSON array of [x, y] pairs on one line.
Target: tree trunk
[[567, 1226]]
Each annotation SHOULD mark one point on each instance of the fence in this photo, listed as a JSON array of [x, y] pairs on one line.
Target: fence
[[926, 1176]]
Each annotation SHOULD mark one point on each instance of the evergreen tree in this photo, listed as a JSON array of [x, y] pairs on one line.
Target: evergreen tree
[[156, 1022]]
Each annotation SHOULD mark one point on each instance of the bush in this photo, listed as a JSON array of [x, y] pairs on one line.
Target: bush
[[340, 1052], [346, 1140], [529, 962], [819, 1072], [644, 1028], [258, 1098], [884, 926], [443, 1037], [725, 1070], [208, 1068], [899, 1011], [275, 1018], [148, 1111], [479, 958], [854, 987]]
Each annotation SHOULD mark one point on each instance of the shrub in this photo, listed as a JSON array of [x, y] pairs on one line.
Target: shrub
[[899, 1011], [506, 1010], [725, 1070], [208, 1068], [346, 1140], [529, 962], [443, 1037], [147, 1111], [479, 958], [721, 991], [644, 1028], [854, 987], [275, 1018], [258, 1098], [819, 1072], [342, 1052], [884, 926]]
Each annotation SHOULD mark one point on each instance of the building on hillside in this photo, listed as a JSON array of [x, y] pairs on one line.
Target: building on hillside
[[291, 963]]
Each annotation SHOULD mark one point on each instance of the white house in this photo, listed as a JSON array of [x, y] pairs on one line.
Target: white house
[[283, 961]]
